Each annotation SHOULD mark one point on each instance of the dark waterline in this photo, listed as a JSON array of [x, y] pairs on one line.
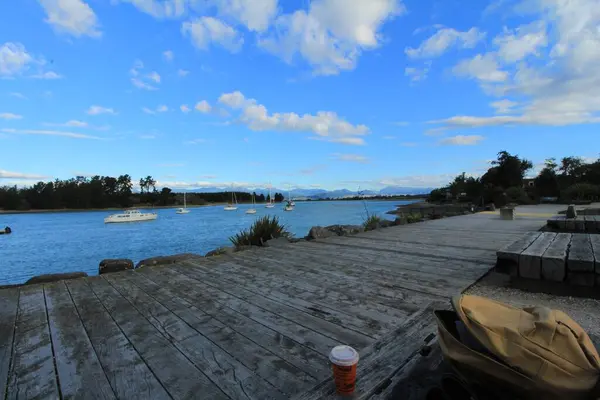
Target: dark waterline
[[66, 242]]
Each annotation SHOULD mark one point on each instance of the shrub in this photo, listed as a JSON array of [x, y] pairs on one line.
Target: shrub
[[413, 217], [517, 195], [262, 230], [581, 192], [372, 223]]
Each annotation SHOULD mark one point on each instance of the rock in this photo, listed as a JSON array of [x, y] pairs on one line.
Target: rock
[[490, 207], [165, 260], [384, 223], [279, 242], [318, 232], [345, 230], [571, 211], [110, 265], [220, 251], [55, 277], [400, 221]]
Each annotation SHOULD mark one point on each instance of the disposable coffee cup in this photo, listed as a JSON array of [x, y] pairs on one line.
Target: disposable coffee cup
[[344, 360]]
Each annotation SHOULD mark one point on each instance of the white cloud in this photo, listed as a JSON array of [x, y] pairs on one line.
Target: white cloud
[[423, 181], [256, 15], [331, 35], [515, 45], [139, 81], [48, 133], [205, 31], [182, 72], [73, 17], [462, 140], [4, 174], [503, 106], [148, 111], [184, 108], [351, 158], [142, 85], [203, 107], [10, 116], [195, 141], [71, 124], [168, 55], [551, 66], [444, 39], [436, 131], [154, 76], [417, 74], [325, 125], [482, 67], [18, 95], [160, 8], [97, 110], [162, 109], [14, 59], [47, 75]]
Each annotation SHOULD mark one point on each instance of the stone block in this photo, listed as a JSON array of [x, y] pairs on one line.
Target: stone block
[[507, 213], [554, 260], [581, 278], [110, 265], [570, 224], [571, 211], [580, 224]]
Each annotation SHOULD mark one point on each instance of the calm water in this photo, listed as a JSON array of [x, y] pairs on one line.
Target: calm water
[[78, 241]]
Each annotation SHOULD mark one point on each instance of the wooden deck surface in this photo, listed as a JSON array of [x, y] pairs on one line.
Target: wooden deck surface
[[255, 325]]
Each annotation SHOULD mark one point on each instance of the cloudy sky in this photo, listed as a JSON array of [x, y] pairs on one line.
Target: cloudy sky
[[321, 93]]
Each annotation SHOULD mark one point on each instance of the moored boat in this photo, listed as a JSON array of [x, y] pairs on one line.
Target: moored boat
[[130, 216]]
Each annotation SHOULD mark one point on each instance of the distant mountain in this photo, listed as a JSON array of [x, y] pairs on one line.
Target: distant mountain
[[321, 193]]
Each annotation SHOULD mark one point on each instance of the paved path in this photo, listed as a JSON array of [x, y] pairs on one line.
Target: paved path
[[255, 325]]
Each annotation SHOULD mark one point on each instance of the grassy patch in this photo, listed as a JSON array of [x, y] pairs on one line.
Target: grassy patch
[[263, 229], [372, 222]]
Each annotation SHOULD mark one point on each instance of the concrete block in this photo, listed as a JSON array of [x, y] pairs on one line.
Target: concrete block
[[571, 211], [581, 278], [507, 213]]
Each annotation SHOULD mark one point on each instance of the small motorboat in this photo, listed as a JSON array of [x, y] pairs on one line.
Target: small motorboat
[[130, 216], [5, 231]]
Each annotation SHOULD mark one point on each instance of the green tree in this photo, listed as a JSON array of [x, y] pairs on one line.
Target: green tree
[[165, 196], [546, 183]]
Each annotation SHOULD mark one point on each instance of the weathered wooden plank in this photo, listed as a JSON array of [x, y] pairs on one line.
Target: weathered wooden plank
[[417, 377], [382, 360], [32, 373], [554, 260], [530, 260], [595, 242], [590, 224], [394, 261], [292, 351], [388, 305], [9, 300], [434, 286], [79, 371], [321, 306], [430, 250], [570, 224], [178, 375], [281, 314], [581, 256], [115, 352], [286, 376], [512, 251], [580, 224], [231, 376]]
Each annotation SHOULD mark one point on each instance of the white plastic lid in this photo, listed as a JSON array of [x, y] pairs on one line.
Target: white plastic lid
[[344, 356]]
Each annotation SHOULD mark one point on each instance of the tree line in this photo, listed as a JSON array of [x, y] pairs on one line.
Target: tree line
[[570, 179], [100, 192]]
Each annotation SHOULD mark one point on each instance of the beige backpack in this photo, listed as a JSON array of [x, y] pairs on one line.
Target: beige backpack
[[533, 352]]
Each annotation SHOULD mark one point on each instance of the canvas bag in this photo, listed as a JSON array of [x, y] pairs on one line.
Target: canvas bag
[[532, 349]]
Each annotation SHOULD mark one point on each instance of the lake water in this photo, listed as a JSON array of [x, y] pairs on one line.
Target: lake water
[[77, 241]]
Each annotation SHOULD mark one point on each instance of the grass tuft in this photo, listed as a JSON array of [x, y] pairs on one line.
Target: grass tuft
[[262, 230]]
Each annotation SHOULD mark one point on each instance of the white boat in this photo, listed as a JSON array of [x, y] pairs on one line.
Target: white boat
[[252, 210], [233, 205], [271, 202], [289, 207], [183, 210], [130, 216], [290, 200]]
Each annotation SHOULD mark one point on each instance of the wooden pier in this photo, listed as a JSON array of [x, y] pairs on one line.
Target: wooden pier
[[257, 324]]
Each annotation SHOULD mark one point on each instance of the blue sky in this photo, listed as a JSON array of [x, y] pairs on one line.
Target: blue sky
[[303, 93]]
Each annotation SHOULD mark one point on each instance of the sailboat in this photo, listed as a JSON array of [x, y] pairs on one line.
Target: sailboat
[[290, 204], [290, 200], [183, 210], [233, 205], [270, 203], [252, 210]]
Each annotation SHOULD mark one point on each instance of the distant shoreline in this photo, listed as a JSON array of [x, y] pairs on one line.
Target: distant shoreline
[[76, 210]]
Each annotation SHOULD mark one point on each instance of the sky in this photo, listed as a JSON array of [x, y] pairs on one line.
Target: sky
[[314, 94]]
